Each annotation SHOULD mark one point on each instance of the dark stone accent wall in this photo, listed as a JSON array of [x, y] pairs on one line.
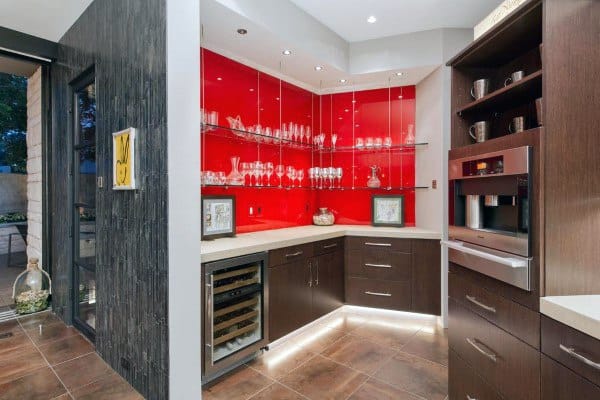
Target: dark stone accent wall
[[126, 42]]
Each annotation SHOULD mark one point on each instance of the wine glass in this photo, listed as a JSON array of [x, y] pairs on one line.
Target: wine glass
[[300, 176], [290, 172], [331, 174], [307, 134], [258, 172], [246, 170], [269, 171], [296, 132], [311, 175], [334, 137], [339, 172], [280, 171]]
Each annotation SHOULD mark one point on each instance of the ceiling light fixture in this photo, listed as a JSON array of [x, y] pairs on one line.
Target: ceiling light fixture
[[372, 19], [242, 31], [343, 81], [318, 68], [287, 52]]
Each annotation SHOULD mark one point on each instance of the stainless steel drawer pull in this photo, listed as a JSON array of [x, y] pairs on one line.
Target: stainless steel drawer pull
[[296, 254], [480, 304], [571, 351], [329, 246], [378, 294], [490, 355], [471, 398], [378, 244], [378, 265]]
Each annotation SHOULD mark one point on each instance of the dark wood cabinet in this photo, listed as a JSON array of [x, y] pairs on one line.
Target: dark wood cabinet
[[304, 286], [508, 364], [289, 298], [426, 277], [560, 383], [465, 384], [328, 283]]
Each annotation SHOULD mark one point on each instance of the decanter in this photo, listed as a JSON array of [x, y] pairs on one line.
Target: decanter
[[235, 178], [31, 289], [374, 181]]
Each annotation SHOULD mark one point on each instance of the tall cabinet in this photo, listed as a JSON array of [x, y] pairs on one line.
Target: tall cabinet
[[496, 340]]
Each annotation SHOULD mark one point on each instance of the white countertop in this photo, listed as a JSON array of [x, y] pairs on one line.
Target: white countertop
[[248, 243], [578, 312]]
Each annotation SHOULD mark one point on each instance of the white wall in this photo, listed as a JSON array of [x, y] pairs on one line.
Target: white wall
[[34, 166], [183, 119]]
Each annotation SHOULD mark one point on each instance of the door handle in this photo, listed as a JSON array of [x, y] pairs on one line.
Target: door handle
[[310, 274], [378, 244], [317, 280], [296, 254], [378, 294], [480, 304], [329, 246], [490, 355], [571, 351], [378, 265]]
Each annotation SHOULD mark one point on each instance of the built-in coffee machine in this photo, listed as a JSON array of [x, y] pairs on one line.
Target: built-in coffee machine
[[490, 214]]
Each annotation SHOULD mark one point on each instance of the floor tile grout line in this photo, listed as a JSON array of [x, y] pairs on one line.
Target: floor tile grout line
[[398, 387], [261, 390], [47, 362], [358, 388]]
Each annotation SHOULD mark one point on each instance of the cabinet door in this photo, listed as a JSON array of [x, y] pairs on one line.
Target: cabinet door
[[560, 383], [426, 277], [289, 298], [328, 283]]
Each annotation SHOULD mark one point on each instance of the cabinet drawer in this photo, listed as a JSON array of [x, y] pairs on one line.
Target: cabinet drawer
[[357, 243], [560, 383], [328, 246], [508, 315], [508, 364], [379, 263], [378, 293], [289, 254], [464, 383], [571, 348]]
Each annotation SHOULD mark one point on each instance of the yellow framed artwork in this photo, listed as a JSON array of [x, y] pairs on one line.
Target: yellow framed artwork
[[124, 162]]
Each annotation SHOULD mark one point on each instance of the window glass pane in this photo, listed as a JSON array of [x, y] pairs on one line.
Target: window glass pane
[[87, 236], [87, 176], [86, 114], [87, 297]]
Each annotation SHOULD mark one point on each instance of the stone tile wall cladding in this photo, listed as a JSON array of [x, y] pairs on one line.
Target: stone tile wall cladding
[[34, 165]]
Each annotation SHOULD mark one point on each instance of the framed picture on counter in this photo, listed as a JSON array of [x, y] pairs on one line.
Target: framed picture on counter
[[387, 210], [218, 217]]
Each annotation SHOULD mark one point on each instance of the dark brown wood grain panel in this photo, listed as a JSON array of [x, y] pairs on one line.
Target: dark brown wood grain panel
[[555, 334], [571, 88], [560, 383], [465, 384], [514, 318], [379, 263], [328, 246], [131, 227], [426, 277], [515, 371], [382, 294], [328, 283], [290, 254], [359, 242]]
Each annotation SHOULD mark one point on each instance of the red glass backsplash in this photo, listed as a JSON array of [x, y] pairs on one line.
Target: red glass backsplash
[[233, 89]]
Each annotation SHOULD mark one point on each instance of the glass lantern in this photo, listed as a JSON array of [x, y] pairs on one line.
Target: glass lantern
[[32, 289]]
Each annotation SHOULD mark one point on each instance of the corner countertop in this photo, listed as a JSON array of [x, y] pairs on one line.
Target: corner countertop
[[248, 243], [579, 312]]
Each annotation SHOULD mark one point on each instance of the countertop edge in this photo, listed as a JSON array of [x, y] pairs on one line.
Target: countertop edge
[[570, 317], [241, 249]]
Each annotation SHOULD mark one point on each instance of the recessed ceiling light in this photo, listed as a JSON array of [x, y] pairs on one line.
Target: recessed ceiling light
[[399, 73], [252, 90], [287, 52], [242, 31], [318, 68], [219, 79], [399, 97], [343, 80], [372, 19]]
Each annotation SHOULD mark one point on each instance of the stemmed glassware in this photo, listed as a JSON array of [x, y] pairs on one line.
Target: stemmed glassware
[[280, 171], [247, 171], [291, 174], [339, 172], [307, 134], [295, 132], [331, 174], [334, 137], [300, 176], [258, 169], [311, 175], [269, 168]]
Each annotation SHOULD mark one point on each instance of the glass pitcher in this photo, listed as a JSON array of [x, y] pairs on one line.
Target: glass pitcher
[[374, 181]]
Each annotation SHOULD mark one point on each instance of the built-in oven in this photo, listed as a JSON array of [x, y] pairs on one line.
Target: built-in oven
[[235, 312], [490, 214]]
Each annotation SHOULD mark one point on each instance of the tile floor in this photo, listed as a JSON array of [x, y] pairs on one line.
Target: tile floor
[[354, 354], [42, 358]]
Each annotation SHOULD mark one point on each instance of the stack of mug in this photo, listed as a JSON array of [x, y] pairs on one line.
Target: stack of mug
[[480, 130]]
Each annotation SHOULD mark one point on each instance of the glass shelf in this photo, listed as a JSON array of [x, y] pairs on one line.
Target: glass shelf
[[218, 130], [395, 188], [382, 149]]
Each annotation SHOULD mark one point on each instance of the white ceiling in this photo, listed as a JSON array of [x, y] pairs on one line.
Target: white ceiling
[[47, 19], [348, 18]]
